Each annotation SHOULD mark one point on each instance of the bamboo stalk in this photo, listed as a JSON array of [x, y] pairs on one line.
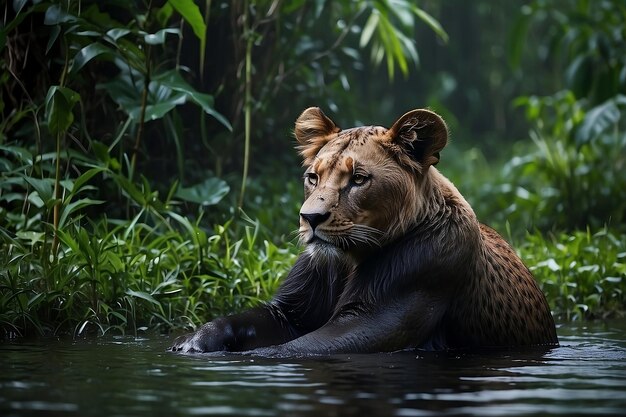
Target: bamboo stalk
[[247, 103]]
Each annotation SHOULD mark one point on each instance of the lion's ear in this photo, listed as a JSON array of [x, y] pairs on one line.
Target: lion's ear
[[421, 134], [313, 130]]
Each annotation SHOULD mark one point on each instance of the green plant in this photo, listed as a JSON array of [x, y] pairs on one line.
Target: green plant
[[104, 273], [583, 43], [284, 48], [134, 276], [89, 238], [128, 64], [583, 274], [572, 176]]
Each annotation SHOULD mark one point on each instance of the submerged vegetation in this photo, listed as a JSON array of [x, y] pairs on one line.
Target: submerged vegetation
[[147, 179]]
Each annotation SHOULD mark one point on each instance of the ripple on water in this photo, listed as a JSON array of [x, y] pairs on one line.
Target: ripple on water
[[136, 377]]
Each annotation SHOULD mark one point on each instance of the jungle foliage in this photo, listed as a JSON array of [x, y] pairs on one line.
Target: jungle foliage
[[135, 137]]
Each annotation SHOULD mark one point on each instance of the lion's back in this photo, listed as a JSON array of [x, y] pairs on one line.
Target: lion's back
[[499, 303]]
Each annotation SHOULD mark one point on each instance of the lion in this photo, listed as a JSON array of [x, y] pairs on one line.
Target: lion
[[394, 257]]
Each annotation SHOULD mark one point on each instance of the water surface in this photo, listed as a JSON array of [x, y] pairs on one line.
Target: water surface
[[128, 376]]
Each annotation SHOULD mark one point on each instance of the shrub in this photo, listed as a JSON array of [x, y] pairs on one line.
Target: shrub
[[134, 276], [583, 274]]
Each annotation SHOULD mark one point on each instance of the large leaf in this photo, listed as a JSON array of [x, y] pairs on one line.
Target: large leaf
[[55, 15], [160, 109], [42, 186], [191, 13], [167, 90], [60, 102], [124, 91], [207, 193], [33, 237], [173, 80], [88, 53], [600, 119]]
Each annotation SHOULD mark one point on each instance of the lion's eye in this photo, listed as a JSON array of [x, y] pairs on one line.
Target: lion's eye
[[359, 179], [311, 178]]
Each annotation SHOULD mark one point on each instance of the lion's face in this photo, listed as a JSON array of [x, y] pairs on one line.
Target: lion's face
[[362, 185]]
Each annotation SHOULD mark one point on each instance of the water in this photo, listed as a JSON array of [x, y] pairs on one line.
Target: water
[[137, 377]]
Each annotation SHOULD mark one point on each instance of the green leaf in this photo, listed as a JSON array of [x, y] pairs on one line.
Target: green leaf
[[117, 33], [34, 199], [18, 5], [55, 15], [157, 111], [393, 47], [89, 33], [598, 120], [158, 38], [173, 80], [115, 261], [143, 296], [54, 34], [579, 75], [88, 53], [33, 237], [191, 13], [80, 181], [167, 90], [101, 152], [42, 186], [408, 48], [127, 96], [207, 193], [402, 9], [131, 189], [76, 205], [369, 28], [194, 232], [124, 92], [431, 22], [68, 240], [60, 102], [163, 14], [22, 154]]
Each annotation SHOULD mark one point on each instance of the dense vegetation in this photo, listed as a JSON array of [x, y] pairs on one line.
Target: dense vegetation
[[147, 177]]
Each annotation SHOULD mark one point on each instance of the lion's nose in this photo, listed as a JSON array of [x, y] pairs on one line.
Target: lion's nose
[[315, 219]]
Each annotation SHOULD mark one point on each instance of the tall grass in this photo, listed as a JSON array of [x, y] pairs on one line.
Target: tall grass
[[133, 276]]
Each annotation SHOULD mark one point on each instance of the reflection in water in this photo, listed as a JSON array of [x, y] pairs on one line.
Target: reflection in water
[[131, 377]]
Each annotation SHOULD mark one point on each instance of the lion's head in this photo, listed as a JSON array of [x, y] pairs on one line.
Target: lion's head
[[363, 186]]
